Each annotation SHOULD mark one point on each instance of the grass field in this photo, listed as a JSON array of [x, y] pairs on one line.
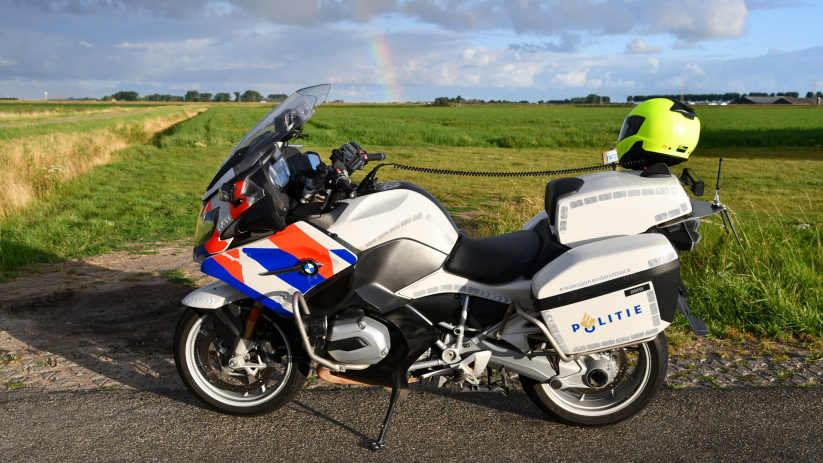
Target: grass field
[[773, 171], [34, 112], [35, 162]]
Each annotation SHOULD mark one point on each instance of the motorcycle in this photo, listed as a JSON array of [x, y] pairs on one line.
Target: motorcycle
[[372, 283]]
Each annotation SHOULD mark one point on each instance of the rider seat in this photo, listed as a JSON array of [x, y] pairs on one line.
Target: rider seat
[[503, 258]]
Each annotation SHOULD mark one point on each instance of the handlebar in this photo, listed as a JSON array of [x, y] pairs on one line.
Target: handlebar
[[375, 157], [344, 183]]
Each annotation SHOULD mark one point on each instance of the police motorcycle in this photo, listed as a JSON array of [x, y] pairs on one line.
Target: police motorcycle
[[372, 283]]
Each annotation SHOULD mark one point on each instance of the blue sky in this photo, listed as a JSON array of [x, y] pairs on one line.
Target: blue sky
[[409, 50]]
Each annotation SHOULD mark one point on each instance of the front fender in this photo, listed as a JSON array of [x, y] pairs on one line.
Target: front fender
[[213, 296]]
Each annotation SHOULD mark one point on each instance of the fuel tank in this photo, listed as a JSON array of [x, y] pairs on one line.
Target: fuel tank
[[616, 204], [397, 210]]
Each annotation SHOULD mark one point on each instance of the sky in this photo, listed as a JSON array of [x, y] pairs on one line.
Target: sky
[[410, 50]]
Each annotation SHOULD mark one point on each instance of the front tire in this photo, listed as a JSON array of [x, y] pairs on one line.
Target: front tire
[[201, 359], [650, 362]]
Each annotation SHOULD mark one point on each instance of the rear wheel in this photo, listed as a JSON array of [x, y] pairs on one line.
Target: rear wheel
[[642, 372], [203, 362]]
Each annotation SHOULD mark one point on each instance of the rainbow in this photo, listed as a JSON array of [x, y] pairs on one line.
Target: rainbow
[[381, 55]]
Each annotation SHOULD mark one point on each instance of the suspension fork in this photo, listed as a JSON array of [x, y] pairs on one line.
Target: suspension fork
[[251, 323]]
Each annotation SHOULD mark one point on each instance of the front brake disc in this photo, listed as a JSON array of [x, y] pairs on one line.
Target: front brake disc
[[208, 354]]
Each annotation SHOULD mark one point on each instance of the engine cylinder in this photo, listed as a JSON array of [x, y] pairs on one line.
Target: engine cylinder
[[362, 340]]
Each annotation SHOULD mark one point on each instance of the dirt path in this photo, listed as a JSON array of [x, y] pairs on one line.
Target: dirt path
[[107, 322], [79, 118]]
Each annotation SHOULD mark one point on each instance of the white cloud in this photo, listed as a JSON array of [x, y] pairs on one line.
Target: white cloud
[[576, 78], [639, 46], [85, 44], [696, 69], [774, 51], [5, 62], [692, 20], [684, 45]]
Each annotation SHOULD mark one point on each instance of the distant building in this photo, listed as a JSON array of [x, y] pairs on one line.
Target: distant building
[[800, 101], [745, 99], [775, 100]]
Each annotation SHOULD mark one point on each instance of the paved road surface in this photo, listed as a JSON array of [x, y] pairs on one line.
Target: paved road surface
[[754, 425]]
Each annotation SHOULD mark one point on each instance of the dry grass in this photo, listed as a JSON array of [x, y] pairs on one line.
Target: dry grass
[[31, 167], [24, 115]]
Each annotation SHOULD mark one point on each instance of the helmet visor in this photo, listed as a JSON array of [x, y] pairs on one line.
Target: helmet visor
[[630, 127]]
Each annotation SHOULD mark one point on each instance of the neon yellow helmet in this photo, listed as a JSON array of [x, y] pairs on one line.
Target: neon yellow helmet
[[657, 130]]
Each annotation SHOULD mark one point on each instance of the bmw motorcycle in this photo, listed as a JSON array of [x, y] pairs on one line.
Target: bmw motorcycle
[[372, 283]]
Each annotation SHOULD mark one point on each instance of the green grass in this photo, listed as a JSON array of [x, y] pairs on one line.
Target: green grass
[[11, 133], [772, 286], [15, 385]]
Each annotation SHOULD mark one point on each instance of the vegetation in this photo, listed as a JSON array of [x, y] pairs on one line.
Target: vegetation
[[31, 167], [772, 286]]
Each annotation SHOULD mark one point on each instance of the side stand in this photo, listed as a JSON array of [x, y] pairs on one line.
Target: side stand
[[380, 443]]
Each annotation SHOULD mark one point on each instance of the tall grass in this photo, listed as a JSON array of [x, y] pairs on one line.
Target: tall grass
[[31, 167]]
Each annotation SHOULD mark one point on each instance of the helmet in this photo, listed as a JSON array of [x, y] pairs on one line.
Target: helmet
[[657, 130]]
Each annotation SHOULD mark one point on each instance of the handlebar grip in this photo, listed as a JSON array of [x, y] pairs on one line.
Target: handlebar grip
[[345, 184], [376, 157]]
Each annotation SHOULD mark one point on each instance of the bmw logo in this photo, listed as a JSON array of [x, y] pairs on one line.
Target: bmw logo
[[310, 267]]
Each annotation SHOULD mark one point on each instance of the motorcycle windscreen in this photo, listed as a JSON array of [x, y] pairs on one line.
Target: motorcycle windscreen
[[306, 257], [291, 113]]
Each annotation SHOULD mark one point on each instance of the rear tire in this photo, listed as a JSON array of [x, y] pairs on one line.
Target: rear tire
[[631, 396], [237, 394]]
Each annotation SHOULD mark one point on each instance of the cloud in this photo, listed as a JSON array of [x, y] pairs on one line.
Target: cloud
[[774, 51], [85, 44], [574, 78], [694, 20], [684, 45], [696, 69], [566, 43], [639, 46]]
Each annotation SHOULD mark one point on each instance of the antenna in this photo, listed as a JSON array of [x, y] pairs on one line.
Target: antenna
[[815, 83], [601, 94], [683, 96]]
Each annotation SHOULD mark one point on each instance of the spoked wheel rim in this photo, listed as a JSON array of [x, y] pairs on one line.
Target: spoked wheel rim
[[599, 402], [207, 367]]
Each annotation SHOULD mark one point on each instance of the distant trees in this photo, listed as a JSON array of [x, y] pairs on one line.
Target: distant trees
[[790, 94], [591, 98], [191, 95], [250, 96], [126, 96], [814, 95], [159, 97], [277, 96]]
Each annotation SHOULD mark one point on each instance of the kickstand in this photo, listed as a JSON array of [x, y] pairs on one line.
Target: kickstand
[[380, 443]]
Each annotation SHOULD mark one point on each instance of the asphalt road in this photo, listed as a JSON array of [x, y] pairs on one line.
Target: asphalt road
[[760, 425]]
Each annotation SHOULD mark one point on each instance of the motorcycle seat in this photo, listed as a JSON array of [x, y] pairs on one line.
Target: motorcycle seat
[[504, 258]]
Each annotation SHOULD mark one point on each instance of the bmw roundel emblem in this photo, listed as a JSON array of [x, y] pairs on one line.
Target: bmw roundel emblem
[[310, 267]]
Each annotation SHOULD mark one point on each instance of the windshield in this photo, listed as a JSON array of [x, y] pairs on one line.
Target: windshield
[[291, 114]]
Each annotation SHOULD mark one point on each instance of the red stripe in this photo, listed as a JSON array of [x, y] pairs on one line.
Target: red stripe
[[296, 242], [231, 265]]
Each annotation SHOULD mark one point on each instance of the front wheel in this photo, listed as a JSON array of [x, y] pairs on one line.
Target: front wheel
[[204, 364], [642, 372]]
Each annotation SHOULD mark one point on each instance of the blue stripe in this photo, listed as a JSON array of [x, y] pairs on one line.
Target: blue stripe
[[213, 268], [276, 259], [345, 255]]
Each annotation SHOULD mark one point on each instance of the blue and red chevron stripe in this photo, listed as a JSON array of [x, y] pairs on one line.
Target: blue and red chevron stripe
[[242, 267]]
